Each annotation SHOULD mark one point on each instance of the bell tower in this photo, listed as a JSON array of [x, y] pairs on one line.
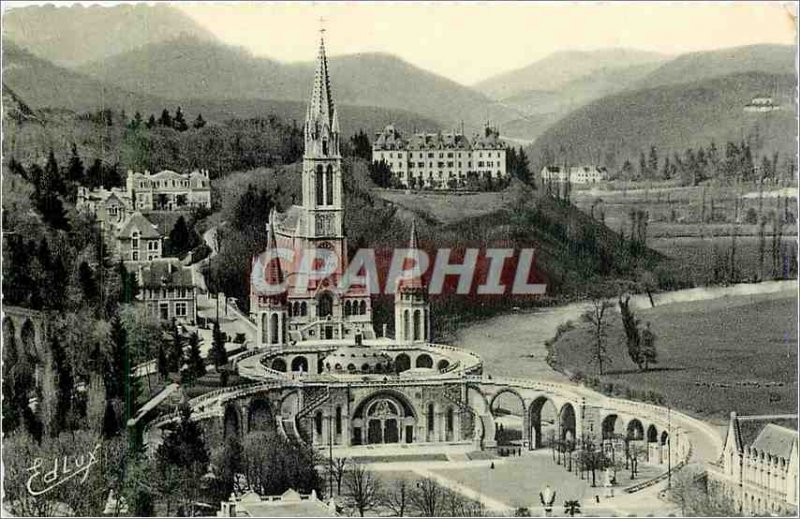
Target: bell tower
[[322, 163], [411, 307]]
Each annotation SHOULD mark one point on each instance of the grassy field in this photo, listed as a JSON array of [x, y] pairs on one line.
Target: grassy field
[[446, 207], [730, 354]]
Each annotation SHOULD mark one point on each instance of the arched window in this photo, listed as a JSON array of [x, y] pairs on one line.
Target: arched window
[[319, 186], [338, 420], [325, 305], [273, 325], [303, 308], [406, 326], [363, 308], [430, 417], [449, 420], [318, 422], [329, 185], [417, 325], [264, 329], [347, 307]]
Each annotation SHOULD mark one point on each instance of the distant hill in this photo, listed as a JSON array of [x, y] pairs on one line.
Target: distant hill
[[542, 108], [560, 68], [695, 66], [41, 84], [674, 117], [189, 68], [70, 35]]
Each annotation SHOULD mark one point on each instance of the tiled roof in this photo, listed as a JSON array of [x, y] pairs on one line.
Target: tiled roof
[[776, 440], [166, 272], [137, 222]]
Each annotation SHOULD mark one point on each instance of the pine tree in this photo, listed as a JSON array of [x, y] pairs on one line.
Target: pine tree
[[87, 283], [199, 122], [179, 123], [176, 348], [652, 162], [94, 175], [53, 181], [195, 366], [165, 120], [218, 354], [179, 238], [133, 392], [75, 170], [162, 364], [115, 372], [151, 122], [648, 354]]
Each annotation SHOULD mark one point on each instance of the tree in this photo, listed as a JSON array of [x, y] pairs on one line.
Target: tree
[[427, 498], [75, 170], [218, 354], [151, 122], [116, 362], [162, 364], [195, 366], [166, 119], [631, 327], [180, 238], [396, 497], [273, 464], [199, 122], [175, 357], [179, 123], [362, 488], [381, 173], [337, 468], [228, 462], [361, 146], [648, 354], [597, 318]]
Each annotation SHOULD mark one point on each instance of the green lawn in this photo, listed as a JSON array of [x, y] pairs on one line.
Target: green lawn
[[447, 207], [730, 354]]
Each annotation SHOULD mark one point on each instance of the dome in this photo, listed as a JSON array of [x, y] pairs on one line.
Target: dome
[[357, 360]]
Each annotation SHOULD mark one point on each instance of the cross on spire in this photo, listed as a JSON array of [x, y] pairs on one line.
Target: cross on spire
[[322, 26]]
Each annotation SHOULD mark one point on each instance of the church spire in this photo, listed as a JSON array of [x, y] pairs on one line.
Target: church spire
[[321, 107], [416, 273]]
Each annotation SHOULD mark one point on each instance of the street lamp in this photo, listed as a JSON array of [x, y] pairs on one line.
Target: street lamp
[[547, 498]]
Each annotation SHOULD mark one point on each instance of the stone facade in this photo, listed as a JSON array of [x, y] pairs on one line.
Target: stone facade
[[574, 175], [168, 190], [440, 160], [167, 290], [137, 240], [759, 464]]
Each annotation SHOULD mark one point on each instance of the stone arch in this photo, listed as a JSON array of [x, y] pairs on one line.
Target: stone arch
[[634, 430], [664, 438], [300, 363], [385, 416], [290, 404], [362, 308], [609, 426], [508, 410], [406, 325], [652, 434], [567, 422], [278, 365], [417, 325], [260, 416], [402, 362], [543, 419], [231, 423], [442, 364], [424, 361]]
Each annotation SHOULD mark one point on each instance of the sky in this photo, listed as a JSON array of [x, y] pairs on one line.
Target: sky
[[470, 41]]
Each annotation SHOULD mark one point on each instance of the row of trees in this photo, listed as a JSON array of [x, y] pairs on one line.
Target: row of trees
[[696, 165], [360, 491], [166, 120]]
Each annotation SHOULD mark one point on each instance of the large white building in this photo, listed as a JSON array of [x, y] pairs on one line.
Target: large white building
[[574, 174], [759, 465], [440, 160], [168, 190]]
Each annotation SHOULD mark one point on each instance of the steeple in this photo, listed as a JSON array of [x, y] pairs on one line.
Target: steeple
[[416, 281], [322, 121]]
